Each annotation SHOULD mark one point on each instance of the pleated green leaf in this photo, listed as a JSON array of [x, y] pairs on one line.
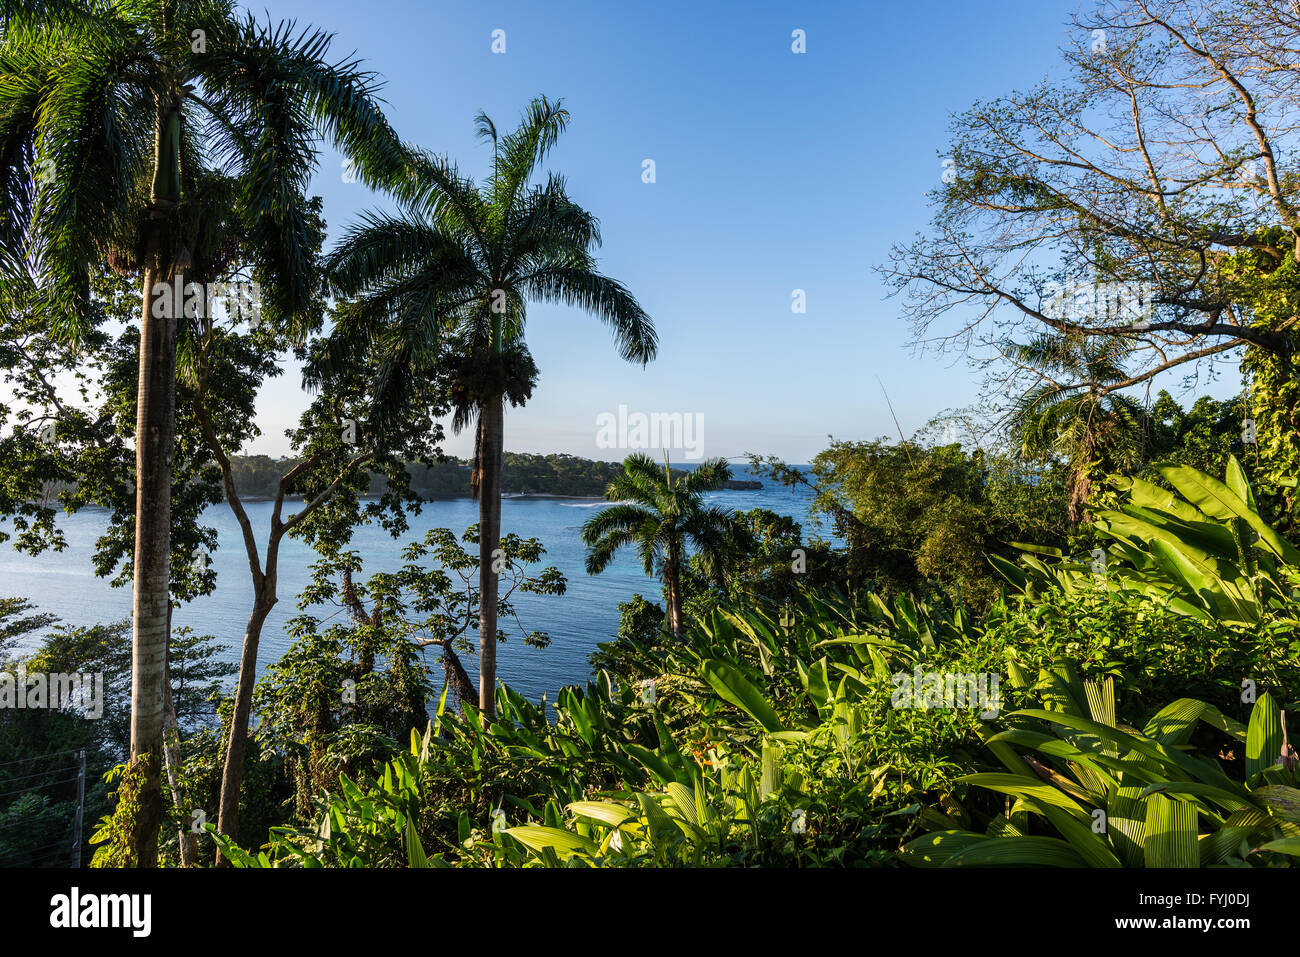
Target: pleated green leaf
[[1283, 801], [564, 843], [1171, 839], [1019, 786], [1018, 852], [1263, 735], [936, 848], [614, 815], [1286, 845], [1126, 823], [683, 799]]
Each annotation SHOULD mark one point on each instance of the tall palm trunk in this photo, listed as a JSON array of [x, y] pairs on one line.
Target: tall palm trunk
[[491, 434], [154, 429], [673, 584], [155, 435]]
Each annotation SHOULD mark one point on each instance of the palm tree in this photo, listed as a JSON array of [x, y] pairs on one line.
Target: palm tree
[[661, 516], [1073, 412], [110, 112], [442, 286]]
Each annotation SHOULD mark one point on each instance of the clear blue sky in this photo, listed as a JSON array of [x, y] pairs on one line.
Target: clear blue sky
[[775, 171]]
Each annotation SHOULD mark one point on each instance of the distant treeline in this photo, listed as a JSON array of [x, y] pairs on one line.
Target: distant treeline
[[256, 476]]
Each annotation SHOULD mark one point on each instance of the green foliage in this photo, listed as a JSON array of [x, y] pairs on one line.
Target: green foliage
[[1205, 551], [769, 559], [661, 515], [44, 788], [344, 695], [750, 722], [664, 517], [640, 622], [36, 827], [1269, 289], [1098, 793], [1153, 653], [87, 458], [493, 247], [113, 836], [1092, 431], [357, 827], [1203, 437], [915, 517]]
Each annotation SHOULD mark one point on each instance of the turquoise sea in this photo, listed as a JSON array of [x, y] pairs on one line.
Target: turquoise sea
[[65, 584]]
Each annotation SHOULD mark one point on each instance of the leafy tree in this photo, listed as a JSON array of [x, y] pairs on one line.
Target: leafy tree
[[1149, 198], [444, 284], [1272, 384], [72, 448], [638, 620], [376, 652], [1204, 436], [42, 740], [16, 623], [769, 560], [663, 517], [223, 370], [910, 515], [111, 114]]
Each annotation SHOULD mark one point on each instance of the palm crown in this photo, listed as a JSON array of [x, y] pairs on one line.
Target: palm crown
[[451, 273], [440, 289], [661, 517], [1090, 427], [148, 134], [110, 113]]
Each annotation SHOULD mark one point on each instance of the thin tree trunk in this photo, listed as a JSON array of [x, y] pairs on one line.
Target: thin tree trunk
[[154, 429], [455, 674], [232, 774], [492, 426], [265, 598]]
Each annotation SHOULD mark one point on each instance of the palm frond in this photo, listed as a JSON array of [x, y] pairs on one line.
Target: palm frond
[[524, 148], [608, 299], [709, 475]]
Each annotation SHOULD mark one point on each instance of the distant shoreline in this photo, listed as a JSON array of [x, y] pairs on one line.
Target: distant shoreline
[[460, 498], [258, 499], [452, 498]]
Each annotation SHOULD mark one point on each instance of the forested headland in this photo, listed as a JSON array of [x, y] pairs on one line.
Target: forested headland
[[258, 476]]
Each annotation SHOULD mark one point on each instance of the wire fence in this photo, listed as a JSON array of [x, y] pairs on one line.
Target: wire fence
[[43, 830]]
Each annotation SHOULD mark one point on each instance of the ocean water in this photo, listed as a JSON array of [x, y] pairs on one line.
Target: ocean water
[[64, 583]]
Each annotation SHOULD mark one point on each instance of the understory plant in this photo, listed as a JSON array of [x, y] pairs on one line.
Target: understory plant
[[1081, 788]]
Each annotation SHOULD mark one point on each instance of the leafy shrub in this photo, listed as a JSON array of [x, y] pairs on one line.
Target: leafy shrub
[[1083, 789]]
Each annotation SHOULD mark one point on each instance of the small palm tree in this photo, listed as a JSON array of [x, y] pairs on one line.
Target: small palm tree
[[442, 289], [661, 516], [1070, 415], [113, 116]]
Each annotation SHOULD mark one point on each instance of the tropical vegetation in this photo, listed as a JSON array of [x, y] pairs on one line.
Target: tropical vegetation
[[1061, 628]]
